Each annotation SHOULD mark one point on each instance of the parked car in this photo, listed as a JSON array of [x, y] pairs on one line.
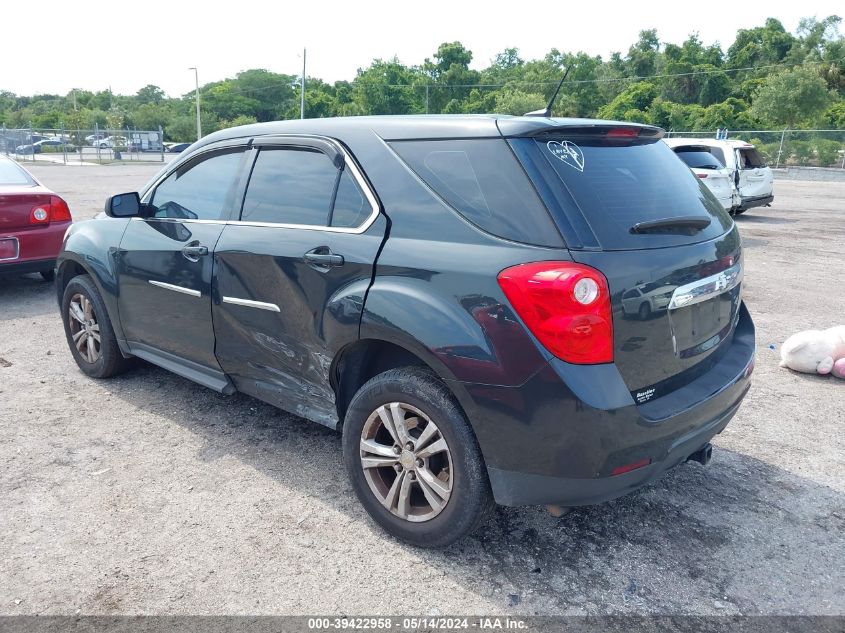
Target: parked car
[[38, 146], [707, 166], [93, 138], [33, 221], [753, 179], [446, 291], [111, 142], [176, 148], [646, 300]]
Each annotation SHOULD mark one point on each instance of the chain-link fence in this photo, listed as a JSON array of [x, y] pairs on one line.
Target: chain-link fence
[[98, 145], [787, 148]]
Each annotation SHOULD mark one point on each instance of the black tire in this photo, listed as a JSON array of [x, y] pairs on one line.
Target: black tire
[[109, 361], [470, 501], [739, 211], [48, 275], [644, 312]]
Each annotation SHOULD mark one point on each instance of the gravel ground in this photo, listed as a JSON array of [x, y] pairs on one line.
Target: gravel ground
[[147, 494]]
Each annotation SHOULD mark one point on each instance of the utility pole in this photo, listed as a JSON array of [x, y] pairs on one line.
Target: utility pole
[[199, 123], [302, 89]]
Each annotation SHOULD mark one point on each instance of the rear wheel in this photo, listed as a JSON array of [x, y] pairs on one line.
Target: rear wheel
[[644, 312], [89, 331], [413, 459], [739, 211]]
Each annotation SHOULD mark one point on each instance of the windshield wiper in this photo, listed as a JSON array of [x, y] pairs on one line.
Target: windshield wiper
[[690, 223]]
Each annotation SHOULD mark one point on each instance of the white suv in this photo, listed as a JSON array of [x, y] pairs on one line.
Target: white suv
[[751, 178]]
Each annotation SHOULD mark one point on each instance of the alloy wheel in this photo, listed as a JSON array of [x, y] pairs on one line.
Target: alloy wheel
[[406, 462], [84, 329]]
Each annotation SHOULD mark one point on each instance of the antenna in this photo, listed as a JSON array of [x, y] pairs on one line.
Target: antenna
[[548, 111]]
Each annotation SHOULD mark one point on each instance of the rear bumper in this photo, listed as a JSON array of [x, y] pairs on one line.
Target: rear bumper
[[750, 203], [515, 488], [29, 266], [558, 438], [38, 248]]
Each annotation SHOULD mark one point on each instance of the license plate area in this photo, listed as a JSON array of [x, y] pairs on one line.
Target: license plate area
[[703, 313], [9, 248], [700, 327]]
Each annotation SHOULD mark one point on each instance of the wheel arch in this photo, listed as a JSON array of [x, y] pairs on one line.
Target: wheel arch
[[71, 265], [363, 359]]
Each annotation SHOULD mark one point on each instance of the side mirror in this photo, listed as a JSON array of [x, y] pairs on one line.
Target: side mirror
[[124, 205]]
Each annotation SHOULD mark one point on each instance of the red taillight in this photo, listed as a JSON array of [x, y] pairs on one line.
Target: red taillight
[[566, 306], [56, 210], [702, 175], [59, 211]]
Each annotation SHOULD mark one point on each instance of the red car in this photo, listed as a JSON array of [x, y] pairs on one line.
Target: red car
[[33, 221]]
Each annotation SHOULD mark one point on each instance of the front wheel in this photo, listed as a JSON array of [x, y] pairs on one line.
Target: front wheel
[[413, 459], [88, 330]]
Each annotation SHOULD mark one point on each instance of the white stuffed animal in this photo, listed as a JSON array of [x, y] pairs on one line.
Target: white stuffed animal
[[816, 351]]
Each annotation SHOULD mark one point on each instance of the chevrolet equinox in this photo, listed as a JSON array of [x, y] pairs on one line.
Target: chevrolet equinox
[[456, 294]]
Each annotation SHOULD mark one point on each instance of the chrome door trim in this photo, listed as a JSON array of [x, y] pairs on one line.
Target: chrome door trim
[[249, 303], [706, 288], [184, 291]]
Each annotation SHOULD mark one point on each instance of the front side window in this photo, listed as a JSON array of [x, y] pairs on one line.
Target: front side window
[[199, 190]]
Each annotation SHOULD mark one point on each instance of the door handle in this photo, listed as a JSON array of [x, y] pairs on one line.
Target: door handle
[[193, 251], [322, 257]]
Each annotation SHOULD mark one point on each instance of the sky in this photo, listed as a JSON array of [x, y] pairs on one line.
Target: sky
[[58, 45]]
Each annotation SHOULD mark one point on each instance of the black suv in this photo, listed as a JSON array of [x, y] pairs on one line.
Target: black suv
[[448, 291]]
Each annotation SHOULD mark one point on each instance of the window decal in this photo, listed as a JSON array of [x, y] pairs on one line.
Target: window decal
[[568, 152]]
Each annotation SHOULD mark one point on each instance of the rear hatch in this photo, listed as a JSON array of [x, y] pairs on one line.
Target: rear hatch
[[628, 207]]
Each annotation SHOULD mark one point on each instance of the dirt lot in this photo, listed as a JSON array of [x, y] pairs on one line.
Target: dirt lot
[[148, 494]]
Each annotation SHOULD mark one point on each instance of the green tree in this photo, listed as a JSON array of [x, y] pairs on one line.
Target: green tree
[[516, 101], [792, 97], [635, 98], [150, 94]]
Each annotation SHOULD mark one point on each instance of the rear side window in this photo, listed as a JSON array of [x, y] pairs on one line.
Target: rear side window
[[481, 179], [604, 187], [199, 190], [699, 158], [350, 206], [750, 159], [303, 186], [11, 174], [290, 186]]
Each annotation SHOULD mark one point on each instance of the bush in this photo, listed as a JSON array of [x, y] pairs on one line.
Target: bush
[[828, 152], [801, 152], [57, 149]]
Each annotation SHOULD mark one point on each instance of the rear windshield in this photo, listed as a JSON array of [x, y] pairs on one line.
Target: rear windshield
[[698, 157], [11, 174], [483, 181], [603, 188], [751, 159]]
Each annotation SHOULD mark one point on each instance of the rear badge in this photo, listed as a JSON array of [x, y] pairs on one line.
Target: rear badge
[[645, 396], [568, 152]]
